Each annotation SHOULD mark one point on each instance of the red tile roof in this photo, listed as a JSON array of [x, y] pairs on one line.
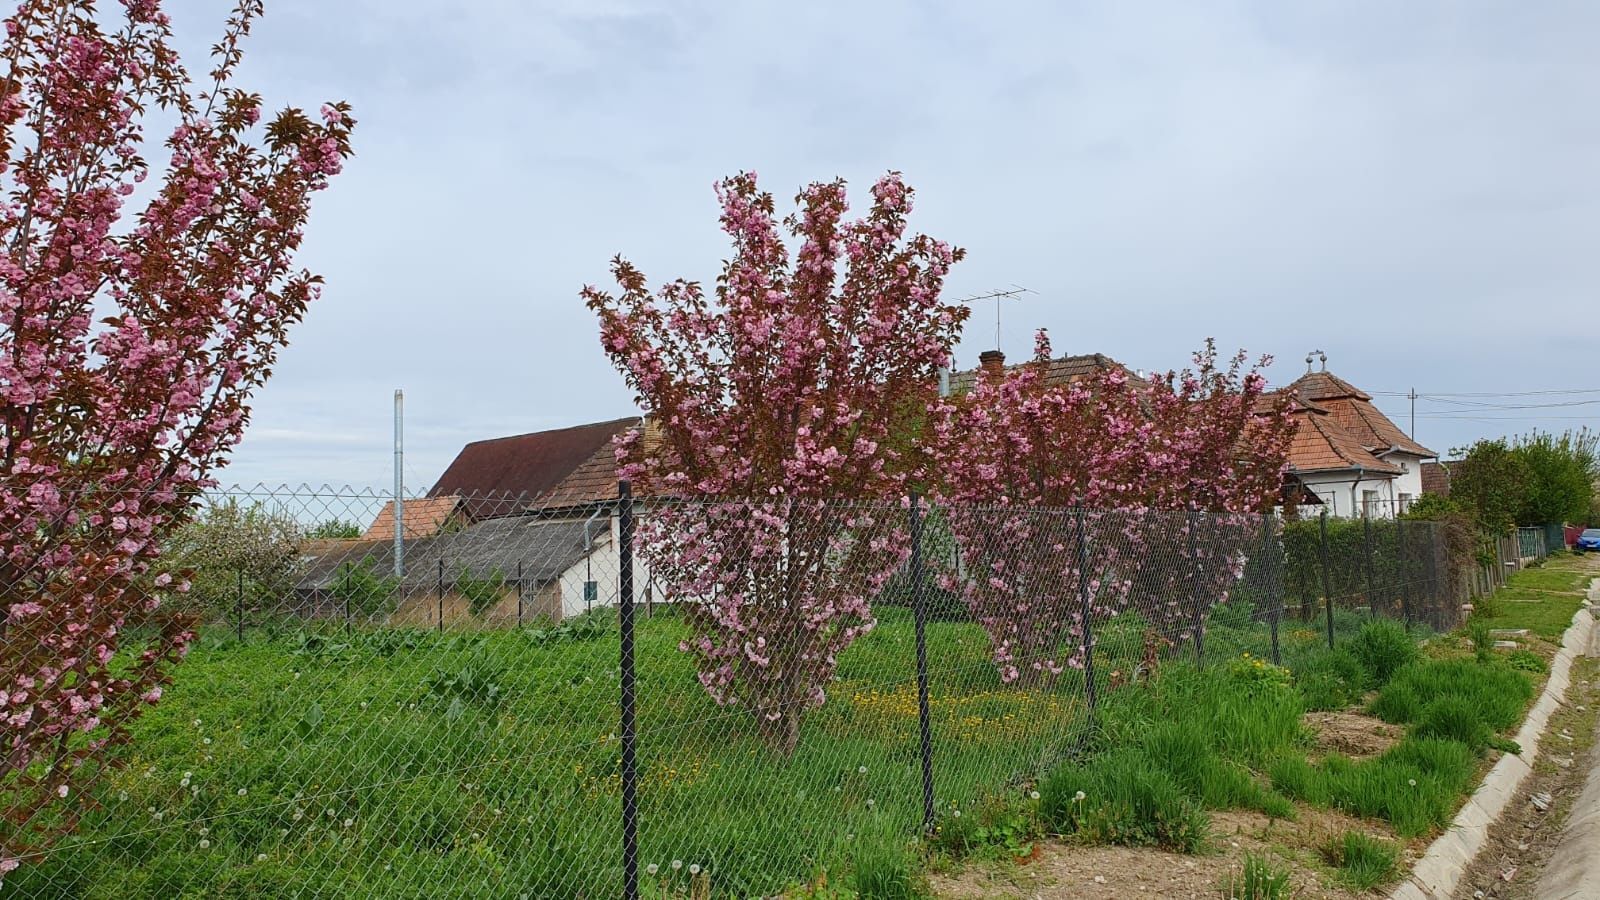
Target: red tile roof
[[1339, 428], [501, 476], [1436, 478], [423, 517]]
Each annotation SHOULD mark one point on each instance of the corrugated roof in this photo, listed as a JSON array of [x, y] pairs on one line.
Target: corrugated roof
[[501, 476], [543, 547], [422, 516]]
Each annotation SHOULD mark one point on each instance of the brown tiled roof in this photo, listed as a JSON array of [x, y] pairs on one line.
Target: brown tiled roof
[[501, 476], [1064, 370], [1436, 478], [1320, 444], [424, 516], [1352, 408]]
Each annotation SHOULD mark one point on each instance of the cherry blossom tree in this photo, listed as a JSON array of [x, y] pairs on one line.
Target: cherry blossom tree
[[131, 340], [1078, 499], [771, 403]]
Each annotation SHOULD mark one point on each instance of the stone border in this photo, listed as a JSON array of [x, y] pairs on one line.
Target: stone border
[[1438, 873]]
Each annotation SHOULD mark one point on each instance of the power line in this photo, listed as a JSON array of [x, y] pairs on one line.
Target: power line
[[1440, 394]]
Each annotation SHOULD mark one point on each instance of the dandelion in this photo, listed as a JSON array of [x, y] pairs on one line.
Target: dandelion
[[242, 791], [1079, 797], [1411, 781], [183, 783], [694, 868], [205, 844], [349, 822], [1033, 795], [652, 869], [677, 864], [205, 740], [299, 814], [261, 857], [871, 802], [330, 813], [861, 770], [956, 814]]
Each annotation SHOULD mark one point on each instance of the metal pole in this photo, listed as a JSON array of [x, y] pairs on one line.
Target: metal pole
[[399, 485], [1274, 592], [440, 623], [519, 593], [630, 804], [919, 614], [1402, 578], [1086, 612], [241, 605], [1372, 582], [1194, 591], [1327, 586]]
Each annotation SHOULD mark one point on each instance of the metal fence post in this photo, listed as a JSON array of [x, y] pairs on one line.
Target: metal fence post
[[919, 615], [1086, 612], [240, 611], [440, 598], [1402, 575], [519, 593], [1194, 594], [1327, 582], [1274, 592], [630, 803], [1372, 581]]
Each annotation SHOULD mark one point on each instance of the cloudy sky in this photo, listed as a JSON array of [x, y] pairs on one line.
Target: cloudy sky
[[1413, 188]]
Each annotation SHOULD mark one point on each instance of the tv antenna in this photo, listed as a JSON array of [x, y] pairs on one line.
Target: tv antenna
[[1013, 293]]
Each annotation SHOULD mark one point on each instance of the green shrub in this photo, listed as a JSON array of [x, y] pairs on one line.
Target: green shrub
[[1478, 632], [481, 593], [1363, 862], [1120, 798], [1383, 648], [1456, 719], [1258, 880], [360, 589]]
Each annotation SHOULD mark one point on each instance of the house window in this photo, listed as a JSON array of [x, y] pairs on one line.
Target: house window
[[1369, 503], [1405, 501]]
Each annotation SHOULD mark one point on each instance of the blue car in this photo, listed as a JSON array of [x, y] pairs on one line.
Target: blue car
[[1588, 540]]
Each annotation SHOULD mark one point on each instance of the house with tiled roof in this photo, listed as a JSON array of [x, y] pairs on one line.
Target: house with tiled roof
[[1347, 452], [502, 476], [1061, 370]]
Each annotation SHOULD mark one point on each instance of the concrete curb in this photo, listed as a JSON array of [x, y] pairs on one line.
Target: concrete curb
[[1439, 871]]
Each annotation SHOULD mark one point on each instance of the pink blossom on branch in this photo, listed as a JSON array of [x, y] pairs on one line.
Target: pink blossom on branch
[[1095, 496], [792, 386], [130, 343]]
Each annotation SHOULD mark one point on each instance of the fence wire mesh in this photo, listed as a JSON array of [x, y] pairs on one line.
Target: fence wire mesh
[[711, 698]]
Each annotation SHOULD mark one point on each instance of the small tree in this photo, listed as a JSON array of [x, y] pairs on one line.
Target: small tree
[[1058, 494], [130, 344], [1561, 476], [230, 548], [1492, 480], [783, 395]]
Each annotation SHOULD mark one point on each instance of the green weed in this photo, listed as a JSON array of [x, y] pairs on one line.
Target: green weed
[[1363, 862], [1259, 879]]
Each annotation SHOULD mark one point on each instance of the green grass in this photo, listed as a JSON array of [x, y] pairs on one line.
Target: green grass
[[1363, 862], [486, 762], [1258, 879]]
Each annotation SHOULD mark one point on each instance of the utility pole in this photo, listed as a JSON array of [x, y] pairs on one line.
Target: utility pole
[[1413, 396], [399, 484]]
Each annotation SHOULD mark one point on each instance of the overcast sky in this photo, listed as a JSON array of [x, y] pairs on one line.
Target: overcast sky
[[1413, 188]]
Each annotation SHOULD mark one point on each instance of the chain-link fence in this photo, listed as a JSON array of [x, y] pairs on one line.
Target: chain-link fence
[[491, 697]]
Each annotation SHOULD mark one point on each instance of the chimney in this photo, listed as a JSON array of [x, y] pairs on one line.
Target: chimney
[[992, 362]]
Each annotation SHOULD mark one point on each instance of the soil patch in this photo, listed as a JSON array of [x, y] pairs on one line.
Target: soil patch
[[1351, 734], [1062, 870]]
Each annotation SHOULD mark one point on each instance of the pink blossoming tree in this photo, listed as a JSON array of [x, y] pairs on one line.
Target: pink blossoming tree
[[1078, 499], [784, 393], [130, 343]]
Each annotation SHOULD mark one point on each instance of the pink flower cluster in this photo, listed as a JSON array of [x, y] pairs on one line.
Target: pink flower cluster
[[127, 359], [799, 384]]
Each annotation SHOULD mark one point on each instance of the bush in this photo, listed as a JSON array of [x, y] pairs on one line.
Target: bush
[[1383, 647], [1364, 862], [481, 593], [994, 823], [1120, 798], [1524, 660]]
